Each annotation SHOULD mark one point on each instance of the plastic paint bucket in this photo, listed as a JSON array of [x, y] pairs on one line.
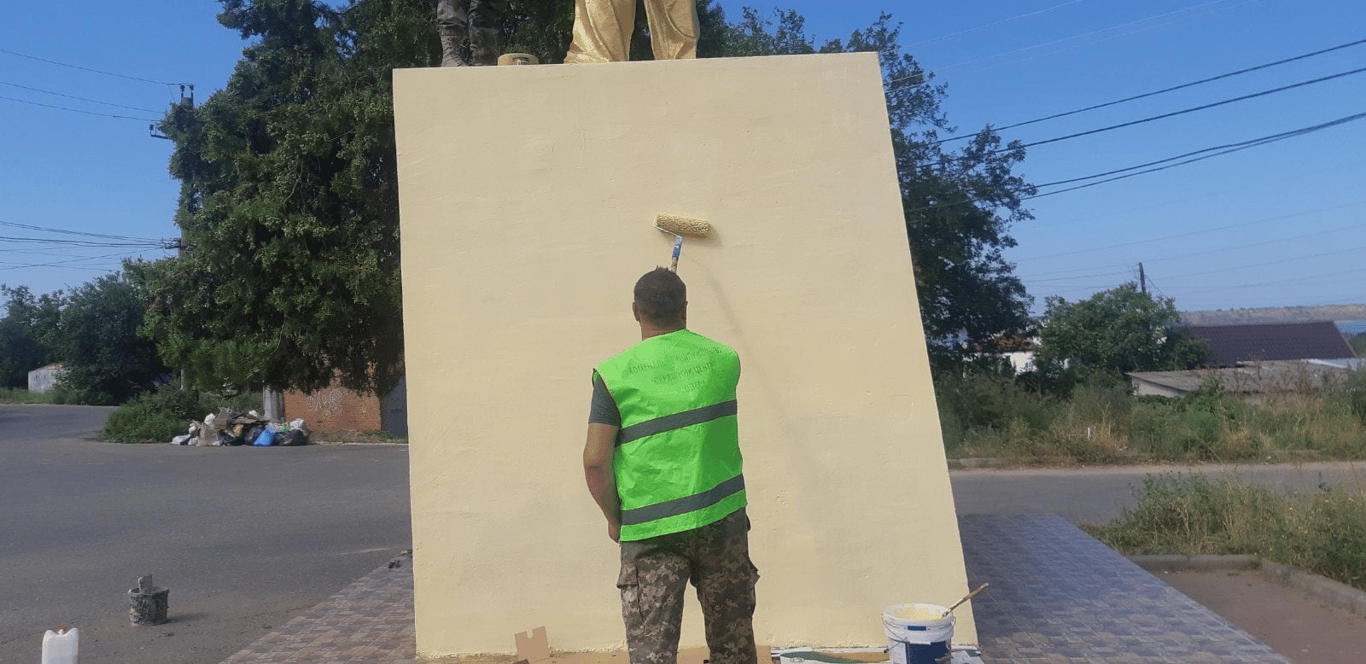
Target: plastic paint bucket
[[919, 640]]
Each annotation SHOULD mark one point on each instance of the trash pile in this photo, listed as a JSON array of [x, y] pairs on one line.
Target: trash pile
[[228, 428]]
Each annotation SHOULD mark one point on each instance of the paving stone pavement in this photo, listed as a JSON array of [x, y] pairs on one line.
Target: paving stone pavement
[[369, 621], [1057, 595]]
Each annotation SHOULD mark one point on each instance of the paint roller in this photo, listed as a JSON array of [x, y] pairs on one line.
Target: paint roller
[[678, 227]]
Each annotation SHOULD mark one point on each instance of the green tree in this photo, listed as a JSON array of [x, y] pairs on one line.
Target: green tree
[[288, 205], [1115, 332], [289, 202], [289, 195], [1358, 343], [26, 333], [958, 204], [97, 341]]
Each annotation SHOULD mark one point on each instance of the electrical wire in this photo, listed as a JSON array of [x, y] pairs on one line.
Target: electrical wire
[[1241, 224], [1164, 90], [1059, 41], [1218, 151], [1315, 277], [1222, 249], [960, 33], [96, 71], [1225, 149], [1183, 111], [5, 265], [76, 243], [1079, 276], [1259, 264], [47, 229], [1073, 47], [93, 101], [76, 110]]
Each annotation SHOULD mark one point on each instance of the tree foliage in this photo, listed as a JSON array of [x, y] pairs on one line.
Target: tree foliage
[[289, 202], [1117, 331], [26, 333], [105, 360], [290, 272], [289, 195], [1358, 343]]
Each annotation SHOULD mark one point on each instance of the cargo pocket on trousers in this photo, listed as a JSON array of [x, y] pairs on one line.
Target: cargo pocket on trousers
[[628, 582]]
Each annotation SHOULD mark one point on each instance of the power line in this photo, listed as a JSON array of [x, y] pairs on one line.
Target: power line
[[1183, 111], [1315, 277], [46, 229], [1058, 41], [1240, 224], [1222, 249], [1073, 47], [1079, 276], [960, 33], [1165, 90], [93, 101], [1256, 185], [78, 243], [1218, 151], [77, 110], [1287, 259], [1226, 149], [97, 71], [68, 263]]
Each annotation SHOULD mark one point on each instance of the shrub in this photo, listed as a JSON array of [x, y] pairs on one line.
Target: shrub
[[139, 420], [990, 401], [166, 413]]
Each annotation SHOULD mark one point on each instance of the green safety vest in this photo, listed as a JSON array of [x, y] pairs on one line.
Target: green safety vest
[[677, 460]]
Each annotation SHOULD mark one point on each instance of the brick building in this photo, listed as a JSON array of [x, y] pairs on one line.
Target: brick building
[[339, 409]]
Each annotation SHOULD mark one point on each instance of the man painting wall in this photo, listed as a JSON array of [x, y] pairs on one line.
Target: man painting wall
[[663, 462]]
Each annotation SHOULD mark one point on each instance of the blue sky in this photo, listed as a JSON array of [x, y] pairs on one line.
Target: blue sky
[[1275, 225]]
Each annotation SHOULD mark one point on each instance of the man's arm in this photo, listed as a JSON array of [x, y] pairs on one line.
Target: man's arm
[[602, 480]]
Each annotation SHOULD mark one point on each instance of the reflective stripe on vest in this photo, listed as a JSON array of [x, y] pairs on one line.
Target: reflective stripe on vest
[[677, 460]]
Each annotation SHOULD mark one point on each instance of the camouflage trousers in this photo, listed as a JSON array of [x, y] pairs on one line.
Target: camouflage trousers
[[654, 577], [473, 24]]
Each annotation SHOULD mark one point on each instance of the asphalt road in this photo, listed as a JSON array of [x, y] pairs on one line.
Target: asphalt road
[[1100, 494], [245, 538], [248, 538]]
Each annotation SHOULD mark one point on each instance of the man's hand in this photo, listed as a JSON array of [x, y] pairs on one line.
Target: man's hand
[[614, 531]]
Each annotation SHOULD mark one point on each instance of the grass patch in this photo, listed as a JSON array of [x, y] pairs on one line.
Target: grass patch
[[15, 395], [326, 436], [993, 415], [1189, 514]]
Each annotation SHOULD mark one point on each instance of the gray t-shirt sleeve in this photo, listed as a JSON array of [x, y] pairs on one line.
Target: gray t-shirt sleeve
[[603, 409]]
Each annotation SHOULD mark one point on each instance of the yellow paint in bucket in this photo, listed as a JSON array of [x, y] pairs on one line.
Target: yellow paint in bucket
[[917, 633]]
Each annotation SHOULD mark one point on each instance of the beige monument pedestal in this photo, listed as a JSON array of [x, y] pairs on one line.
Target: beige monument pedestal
[[528, 196]]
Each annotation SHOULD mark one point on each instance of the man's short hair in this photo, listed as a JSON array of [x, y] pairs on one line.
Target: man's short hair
[[660, 295]]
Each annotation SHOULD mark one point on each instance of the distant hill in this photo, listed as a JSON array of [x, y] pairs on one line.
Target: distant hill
[[1341, 312]]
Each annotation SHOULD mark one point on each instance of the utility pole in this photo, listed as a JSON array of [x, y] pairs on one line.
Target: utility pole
[[1142, 280]]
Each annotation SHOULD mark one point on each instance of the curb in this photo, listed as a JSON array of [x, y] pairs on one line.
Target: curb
[[975, 462], [1327, 590], [1203, 563]]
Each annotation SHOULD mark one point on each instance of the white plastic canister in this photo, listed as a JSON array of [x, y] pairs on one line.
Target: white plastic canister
[[61, 646]]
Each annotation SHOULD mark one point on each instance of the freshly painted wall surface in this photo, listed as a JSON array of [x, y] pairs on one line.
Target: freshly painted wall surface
[[528, 197]]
